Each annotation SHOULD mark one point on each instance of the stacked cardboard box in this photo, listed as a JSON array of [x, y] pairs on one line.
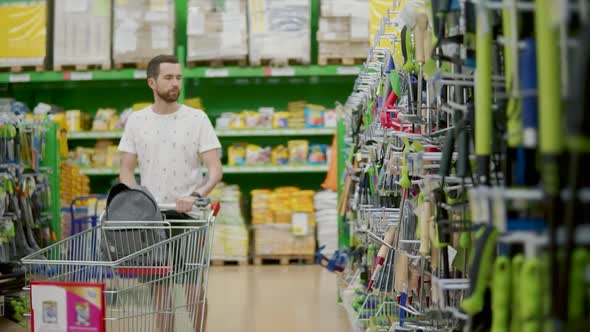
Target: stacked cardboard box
[[279, 240], [343, 30], [72, 183], [230, 241], [279, 31], [217, 30], [82, 33], [142, 30], [23, 33]]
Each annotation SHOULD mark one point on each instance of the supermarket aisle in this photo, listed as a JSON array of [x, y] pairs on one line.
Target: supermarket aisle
[[274, 298], [268, 299]]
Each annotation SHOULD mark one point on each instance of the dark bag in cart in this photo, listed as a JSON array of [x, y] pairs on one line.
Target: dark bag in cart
[[133, 207]]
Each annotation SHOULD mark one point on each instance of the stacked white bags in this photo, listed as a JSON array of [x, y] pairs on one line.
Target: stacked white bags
[[326, 216]]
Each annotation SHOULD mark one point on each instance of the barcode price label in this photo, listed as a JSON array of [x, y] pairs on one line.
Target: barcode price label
[[139, 74], [348, 70], [216, 73], [15, 78], [81, 76], [286, 71]]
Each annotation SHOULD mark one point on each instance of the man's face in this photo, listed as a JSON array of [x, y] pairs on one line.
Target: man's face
[[167, 85]]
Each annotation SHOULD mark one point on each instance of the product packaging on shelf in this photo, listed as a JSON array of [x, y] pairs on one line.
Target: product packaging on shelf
[[279, 30], [82, 33], [298, 151], [23, 33], [217, 30], [142, 30]]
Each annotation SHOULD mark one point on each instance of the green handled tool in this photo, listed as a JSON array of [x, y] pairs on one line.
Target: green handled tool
[[550, 133], [501, 291], [531, 293], [516, 319], [480, 266], [483, 95]]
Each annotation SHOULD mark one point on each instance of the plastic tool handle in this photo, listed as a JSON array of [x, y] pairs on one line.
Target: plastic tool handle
[[516, 317], [528, 82], [531, 295], [479, 268], [580, 261], [483, 95], [501, 294], [419, 37]]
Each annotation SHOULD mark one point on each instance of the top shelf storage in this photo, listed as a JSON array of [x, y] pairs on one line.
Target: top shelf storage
[[199, 72]]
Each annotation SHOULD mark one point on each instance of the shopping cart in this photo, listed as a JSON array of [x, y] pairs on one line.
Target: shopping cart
[[150, 284]]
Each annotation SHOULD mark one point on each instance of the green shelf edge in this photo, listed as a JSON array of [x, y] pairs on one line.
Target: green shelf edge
[[228, 169], [220, 133], [198, 72]]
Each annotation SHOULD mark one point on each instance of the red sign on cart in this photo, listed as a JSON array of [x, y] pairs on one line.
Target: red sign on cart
[[67, 307]]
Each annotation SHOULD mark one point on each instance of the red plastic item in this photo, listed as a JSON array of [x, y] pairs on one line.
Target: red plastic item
[[215, 208]]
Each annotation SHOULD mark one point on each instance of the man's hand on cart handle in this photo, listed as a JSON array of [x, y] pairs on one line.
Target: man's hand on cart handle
[[185, 204]]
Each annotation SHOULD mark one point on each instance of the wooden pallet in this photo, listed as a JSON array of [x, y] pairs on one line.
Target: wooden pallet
[[283, 259], [133, 65], [329, 60], [241, 261], [277, 62], [240, 62], [18, 69], [105, 66]]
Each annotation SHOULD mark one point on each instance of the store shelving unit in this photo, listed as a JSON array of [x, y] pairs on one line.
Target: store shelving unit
[[80, 135], [221, 89], [280, 169], [199, 72]]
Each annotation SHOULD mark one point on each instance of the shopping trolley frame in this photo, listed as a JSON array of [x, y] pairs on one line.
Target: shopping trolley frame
[[140, 285]]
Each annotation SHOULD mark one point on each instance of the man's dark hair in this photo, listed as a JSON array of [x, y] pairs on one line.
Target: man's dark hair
[[153, 68]]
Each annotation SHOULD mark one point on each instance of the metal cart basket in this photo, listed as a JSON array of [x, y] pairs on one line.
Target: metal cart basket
[[151, 283]]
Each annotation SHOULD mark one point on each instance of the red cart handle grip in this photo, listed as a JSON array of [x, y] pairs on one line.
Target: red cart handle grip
[[215, 208]]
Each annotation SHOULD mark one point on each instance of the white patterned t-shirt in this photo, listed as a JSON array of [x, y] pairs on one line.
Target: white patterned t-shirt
[[168, 149]]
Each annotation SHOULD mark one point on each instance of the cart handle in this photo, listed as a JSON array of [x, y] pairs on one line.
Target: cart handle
[[215, 206]]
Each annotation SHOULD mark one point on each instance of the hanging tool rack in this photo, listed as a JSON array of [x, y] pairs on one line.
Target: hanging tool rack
[[461, 145], [29, 193]]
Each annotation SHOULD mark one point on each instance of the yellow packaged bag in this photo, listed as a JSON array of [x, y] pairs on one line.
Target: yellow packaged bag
[[236, 154]]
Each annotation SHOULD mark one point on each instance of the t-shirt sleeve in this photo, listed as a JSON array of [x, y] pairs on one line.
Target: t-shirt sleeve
[[127, 142], [207, 138]]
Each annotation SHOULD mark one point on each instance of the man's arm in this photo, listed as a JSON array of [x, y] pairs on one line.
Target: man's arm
[[127, 172], [212, 161]]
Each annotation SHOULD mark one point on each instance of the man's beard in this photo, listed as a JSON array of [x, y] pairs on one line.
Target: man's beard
[[170, 96]]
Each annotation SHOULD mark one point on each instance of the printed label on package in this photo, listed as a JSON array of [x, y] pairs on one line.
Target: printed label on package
[[67, 307]]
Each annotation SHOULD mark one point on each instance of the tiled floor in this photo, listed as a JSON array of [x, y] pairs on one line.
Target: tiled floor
[[268, 299]]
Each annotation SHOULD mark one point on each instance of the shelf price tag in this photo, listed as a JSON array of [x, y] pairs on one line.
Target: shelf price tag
[[14, 78], [78, 76], [348, 70], [213, 72], [284, 71], [139, 74]]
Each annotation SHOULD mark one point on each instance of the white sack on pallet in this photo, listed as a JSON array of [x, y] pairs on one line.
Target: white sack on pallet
[[217, 30], [279, 30], [142, 30], [326, 217], [82, 32]]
